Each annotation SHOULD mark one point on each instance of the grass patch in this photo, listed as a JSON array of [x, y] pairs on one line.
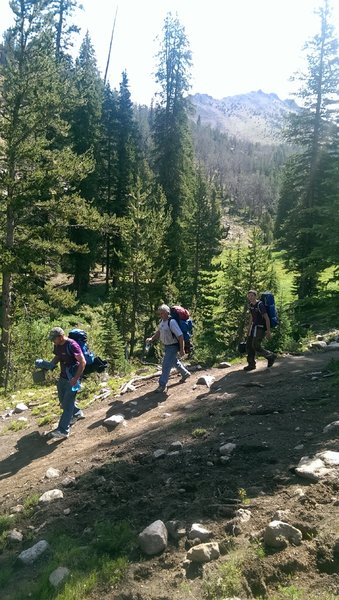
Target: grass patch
[[94, 565], [227, 581], [46, 420], [199, 432], [29, 504], [15, 426]]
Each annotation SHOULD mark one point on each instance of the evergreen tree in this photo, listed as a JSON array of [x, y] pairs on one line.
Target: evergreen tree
[[173, 152], [315, 131], [63, 9], [127, 165], [202, 238], [141, 281], [37, 173], [108, 171], [85, 124]]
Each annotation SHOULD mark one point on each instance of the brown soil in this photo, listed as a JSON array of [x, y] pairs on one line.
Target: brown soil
[[266, 413]]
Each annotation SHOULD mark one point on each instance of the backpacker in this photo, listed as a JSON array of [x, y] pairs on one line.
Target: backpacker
[[94, 364], [267, 299], [182, 317]]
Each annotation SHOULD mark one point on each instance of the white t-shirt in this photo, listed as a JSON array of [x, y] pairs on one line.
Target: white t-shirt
[[166, 329]]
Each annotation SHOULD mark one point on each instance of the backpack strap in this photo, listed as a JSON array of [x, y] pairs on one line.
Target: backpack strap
[[169, 326]]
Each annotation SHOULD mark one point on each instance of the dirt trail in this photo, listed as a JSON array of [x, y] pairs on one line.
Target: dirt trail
[[268, 414]]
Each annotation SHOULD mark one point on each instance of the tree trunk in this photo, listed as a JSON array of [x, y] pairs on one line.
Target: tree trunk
[[7, 284]]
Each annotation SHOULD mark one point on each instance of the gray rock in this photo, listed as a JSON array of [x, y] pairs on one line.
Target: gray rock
[[175, 529], [68, 481], [243, 515], [319, 345], [52, 473], [204, 552], [331, 426], [114, 421], [153, 539], [160, 453], [51, 495], [15, 536], [206, 380], [176, 446], [21, 407], [16, 509], [198, 531], [227, 448], [29, 556], [58, 576], [277, 533]]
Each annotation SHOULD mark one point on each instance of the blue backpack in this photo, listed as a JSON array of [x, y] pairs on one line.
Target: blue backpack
[[182, 316], [267, 299], [94, 364]]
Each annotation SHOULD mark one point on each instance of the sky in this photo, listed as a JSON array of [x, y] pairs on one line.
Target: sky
[[237, 46]]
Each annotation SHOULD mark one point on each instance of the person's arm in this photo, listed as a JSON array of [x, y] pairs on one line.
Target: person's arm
[[154, 337], [55, 361], [178, 334], [81, 367], [268, 324], [250, 325], [181, 345]]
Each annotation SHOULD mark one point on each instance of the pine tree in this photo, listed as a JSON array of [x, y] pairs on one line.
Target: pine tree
[[63, 9], [141, 280], [85, 125], [202, 238], [173, 150], [38, 174], [314, 130], [127, 165]]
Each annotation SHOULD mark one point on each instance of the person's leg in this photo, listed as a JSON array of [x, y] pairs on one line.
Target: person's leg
[[250, 349], [168, 362], [67, 400], [181, 368], [259, 348]]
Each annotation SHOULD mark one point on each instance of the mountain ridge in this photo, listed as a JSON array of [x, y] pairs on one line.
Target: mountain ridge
[[254, 117]]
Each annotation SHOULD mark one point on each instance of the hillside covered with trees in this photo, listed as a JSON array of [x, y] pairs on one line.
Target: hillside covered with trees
[[90, 183]]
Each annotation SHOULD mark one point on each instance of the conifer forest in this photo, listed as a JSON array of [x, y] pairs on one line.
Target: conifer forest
[[108, 208]]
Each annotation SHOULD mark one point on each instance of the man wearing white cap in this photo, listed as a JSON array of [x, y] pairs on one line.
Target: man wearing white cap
[[171, 336]]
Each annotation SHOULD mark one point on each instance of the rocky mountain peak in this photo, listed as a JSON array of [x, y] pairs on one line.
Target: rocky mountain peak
[[255, 117]]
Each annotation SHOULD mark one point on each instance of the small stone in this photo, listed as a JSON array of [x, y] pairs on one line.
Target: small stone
[[160, 453], [114, 421], [21, 407], [15, 536], [16, 509], [52, 473], [67, 511], [51, 495], [30, 555], [58, 576]]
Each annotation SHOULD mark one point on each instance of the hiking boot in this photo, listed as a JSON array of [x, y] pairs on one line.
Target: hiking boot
[[271, 359], [185, 377], [250, 368], [57, 434], [77, 417], [162, 389]]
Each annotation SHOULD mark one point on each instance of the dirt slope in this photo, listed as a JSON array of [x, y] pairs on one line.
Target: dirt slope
[[274, 416]]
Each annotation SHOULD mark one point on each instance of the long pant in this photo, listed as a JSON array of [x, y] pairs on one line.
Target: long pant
[[253, 345], [171, 360], [67, 401]]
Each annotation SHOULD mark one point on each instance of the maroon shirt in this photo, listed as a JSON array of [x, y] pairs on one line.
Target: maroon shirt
[[68, 356], [257, 311]]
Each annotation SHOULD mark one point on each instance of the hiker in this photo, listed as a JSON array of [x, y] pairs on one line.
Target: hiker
[[259, 327], [171, 336], [72, 364]]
